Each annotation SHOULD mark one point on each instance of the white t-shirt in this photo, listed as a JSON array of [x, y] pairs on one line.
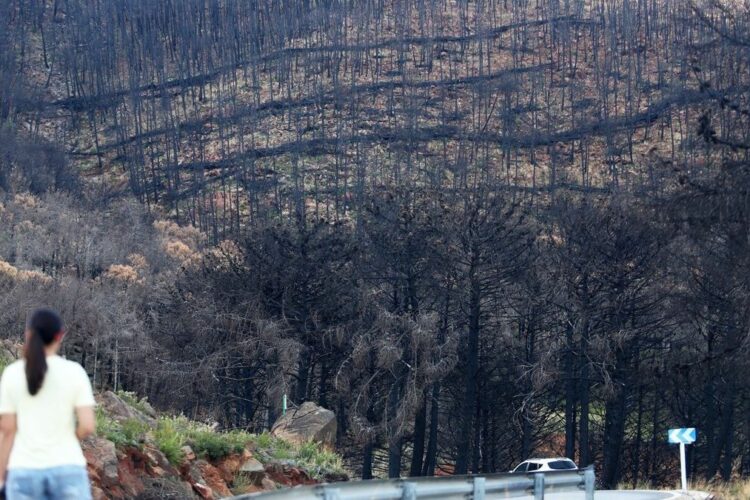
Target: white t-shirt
[[46, 422]]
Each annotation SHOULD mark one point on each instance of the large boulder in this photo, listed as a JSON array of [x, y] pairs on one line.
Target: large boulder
[[309, 422], [121, 411], [101, 457]]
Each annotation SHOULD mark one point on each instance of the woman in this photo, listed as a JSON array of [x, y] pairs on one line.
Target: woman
[[46, 407]]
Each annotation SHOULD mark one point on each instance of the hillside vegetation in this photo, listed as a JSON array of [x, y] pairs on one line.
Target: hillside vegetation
[[139, 454], [477, 230]]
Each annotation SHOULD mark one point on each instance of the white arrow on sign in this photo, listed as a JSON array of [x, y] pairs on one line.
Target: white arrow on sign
[[682, 436]]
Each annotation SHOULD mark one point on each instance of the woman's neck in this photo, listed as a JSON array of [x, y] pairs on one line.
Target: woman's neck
[[52, 349]]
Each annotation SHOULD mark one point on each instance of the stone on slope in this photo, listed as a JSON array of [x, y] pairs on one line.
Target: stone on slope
[[288, 475], [129, 480], [207, 480], [119, 410], [213, 479], [229, 466], [101, 456], [254, 471], [264, 486], [309, 422], [165, 489], [237, 463], [157, 464], [251, 465]]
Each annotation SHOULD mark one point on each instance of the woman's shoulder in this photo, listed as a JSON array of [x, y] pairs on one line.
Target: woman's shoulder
[[63, 367], [15, 367], [68, 364]]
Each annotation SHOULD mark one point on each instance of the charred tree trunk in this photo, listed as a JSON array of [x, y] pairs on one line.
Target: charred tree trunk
[[394, 458], [570, 397], [614, 435], [431, 456], [468, 408], [367, 460], [395, 440], [420, 424]]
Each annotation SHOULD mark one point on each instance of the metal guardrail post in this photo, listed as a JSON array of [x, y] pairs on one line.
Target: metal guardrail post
[[331, 494], [590, 482], [409, 491], [538, 486], [479, 488]]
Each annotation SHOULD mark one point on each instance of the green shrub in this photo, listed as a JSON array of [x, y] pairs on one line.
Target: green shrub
[[240, 483], [264, 440], [307, 451], [272, 448], [109, 428], [238, 439], [311, 456], [317, 459], [169, 440], [131, 432], [210, 444], [134, 431], [172, 433]]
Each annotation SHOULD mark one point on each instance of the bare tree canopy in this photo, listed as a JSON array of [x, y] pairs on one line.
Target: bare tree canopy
[[477, 230]]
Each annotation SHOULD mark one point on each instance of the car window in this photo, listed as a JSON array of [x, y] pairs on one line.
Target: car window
[[534, 466], [522, 467], [562, 465]]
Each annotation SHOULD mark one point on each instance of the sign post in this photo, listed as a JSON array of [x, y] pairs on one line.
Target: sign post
[[683, 437]]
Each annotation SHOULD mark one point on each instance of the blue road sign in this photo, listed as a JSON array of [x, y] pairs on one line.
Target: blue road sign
[[682, 436]]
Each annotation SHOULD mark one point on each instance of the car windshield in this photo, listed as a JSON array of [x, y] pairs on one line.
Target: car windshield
[[561, 465], [521, 468]]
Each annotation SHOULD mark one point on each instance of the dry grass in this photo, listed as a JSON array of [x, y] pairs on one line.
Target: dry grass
[[734, 490]]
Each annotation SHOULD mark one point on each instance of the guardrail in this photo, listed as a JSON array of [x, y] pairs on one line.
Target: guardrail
[[486, 487]]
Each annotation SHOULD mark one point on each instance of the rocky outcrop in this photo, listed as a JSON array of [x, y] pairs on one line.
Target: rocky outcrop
[[309, 422], [165, 489], [103, 463], [157, 465], [131, 479], [213, 478], [113, 473], [135, 467], [288, 475], [146, 473], [138, 469], [121, 411]]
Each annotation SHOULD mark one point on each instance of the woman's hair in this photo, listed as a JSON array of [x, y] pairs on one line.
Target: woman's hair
[[43, 326]]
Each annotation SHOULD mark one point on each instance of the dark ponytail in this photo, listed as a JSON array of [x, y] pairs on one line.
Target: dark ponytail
[[43, 326]]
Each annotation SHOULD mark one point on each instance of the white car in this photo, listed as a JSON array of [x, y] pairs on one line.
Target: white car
[[545, 465]]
